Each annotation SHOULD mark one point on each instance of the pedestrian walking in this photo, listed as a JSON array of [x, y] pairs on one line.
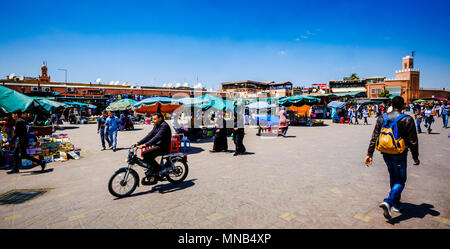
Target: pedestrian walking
[[23, 133], [365, 116], [398, 134], [355, 114], [283, 124], [419, 118], [220, 136], [437, 109], [429, 119], [350, 115], [112, 127], [238, 134], [101, 129], [445, 113]]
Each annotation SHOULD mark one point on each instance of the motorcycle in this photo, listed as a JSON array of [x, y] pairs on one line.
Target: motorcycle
[[125, 180]]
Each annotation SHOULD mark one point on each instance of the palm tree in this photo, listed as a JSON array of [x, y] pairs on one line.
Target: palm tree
[[353, 76], [385, 94]]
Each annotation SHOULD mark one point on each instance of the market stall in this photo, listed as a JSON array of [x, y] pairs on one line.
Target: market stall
[[121, 105], [51, 148], [11, 101], [337, 109], [156, 104]]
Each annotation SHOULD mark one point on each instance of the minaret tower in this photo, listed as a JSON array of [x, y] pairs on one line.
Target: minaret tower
[[410, 73], [43, 77]]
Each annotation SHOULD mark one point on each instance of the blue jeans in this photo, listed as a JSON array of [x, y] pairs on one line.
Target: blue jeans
[[396, 165], [418, 121], [445, 119], [104, 136], [112, 134]]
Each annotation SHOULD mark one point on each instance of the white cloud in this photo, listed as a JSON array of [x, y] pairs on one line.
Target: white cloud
[[282, 52], [308, 34]]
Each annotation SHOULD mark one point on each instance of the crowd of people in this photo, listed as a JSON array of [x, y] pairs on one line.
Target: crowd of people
[[426, 113]]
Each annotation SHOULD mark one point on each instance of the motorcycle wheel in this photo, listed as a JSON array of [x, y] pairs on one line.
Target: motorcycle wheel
[[118, 187], [179, 174]]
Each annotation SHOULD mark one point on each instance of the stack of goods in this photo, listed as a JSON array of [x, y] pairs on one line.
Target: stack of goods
[[6, 156], [52, 148]]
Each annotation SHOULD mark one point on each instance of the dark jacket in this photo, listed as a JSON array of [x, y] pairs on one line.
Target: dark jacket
[[407, 130], [20, 131], [160, 136], [101, 123]]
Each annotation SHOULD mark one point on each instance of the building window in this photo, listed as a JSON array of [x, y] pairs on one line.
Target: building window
[[373, 90]]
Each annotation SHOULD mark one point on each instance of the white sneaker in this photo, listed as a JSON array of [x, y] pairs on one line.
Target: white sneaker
[[397, 209], [386, 210]]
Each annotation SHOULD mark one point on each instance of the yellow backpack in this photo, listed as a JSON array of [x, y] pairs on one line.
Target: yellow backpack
[[389, 141]]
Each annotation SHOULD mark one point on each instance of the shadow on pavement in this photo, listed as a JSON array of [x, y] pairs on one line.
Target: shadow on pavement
[[37, 172], [410, 210], [192, 150], [202, 140], [303, 125], [68, 127], [243, 153], [166, 188], [117, 149], [135, 129]]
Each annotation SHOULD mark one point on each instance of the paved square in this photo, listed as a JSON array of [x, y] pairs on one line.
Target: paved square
[[315, 178]]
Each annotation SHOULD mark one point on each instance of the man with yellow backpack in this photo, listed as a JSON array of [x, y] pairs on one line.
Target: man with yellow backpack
[[393, 134]]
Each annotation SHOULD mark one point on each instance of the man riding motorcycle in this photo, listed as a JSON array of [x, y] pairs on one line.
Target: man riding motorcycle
[[159, 138]]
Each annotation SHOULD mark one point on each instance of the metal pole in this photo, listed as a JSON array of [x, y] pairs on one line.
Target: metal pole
[[65, 72]]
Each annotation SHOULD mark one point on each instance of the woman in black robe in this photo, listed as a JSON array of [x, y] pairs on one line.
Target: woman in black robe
[[238, 134], [220, 137]]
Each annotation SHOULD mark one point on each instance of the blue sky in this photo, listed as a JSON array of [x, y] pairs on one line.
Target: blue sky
[[162, 41]]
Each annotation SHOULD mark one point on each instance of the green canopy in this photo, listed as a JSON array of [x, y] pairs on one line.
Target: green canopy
[[121, 105], [191, 101], [11, 101], [48, 104], [79, 104], [268, 100], [241, 101], [298, 100], [420, 101], [217, 103], [207, 101], [349, 94]]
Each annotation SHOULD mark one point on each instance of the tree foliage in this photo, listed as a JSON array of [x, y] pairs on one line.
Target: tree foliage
[[385, 94], [353, 76]]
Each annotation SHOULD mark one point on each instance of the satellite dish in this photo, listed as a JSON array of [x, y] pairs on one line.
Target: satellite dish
[[11, 76], [169, 85], [186, 84], [116, 83], [111, 82], [178, 85], [98, 80], [164, 85]]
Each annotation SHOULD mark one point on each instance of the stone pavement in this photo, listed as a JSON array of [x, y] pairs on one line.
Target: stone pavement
[[314, 178]]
